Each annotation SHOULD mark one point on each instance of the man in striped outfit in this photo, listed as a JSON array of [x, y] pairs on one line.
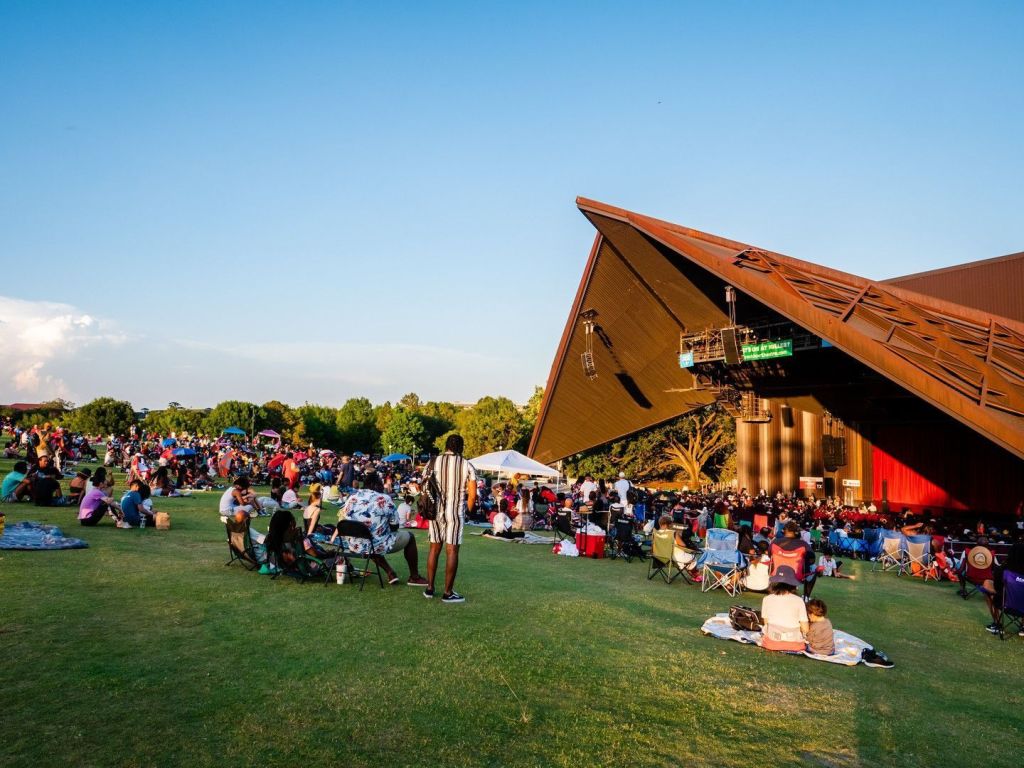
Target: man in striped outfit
[[457, 480]]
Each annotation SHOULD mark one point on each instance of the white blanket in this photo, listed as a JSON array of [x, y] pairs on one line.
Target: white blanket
[[848, 648]]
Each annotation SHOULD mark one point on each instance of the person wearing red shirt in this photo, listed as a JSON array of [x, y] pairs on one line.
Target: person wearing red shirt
[[290, 470]]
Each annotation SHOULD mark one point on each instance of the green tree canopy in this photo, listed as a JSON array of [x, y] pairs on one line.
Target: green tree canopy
[[404, 433], [492, 424], [318, 424], [357, 425], [103, 416], [232, 413], [177, 420]]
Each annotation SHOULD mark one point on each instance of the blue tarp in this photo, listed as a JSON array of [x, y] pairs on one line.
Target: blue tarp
[[36, 536], [397, 457]]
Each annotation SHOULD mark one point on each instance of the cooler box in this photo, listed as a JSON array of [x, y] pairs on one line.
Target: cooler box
[[590, 545]]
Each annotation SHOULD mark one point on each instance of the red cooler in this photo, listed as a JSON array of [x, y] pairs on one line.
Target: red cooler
[[590, 545]]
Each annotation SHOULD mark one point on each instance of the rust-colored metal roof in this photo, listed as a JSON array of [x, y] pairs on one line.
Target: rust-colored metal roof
[[648, 280], [991, 285]]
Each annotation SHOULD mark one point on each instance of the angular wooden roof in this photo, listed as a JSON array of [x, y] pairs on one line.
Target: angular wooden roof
[[648, 280]]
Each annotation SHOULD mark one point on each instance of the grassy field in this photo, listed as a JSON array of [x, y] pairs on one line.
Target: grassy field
[[145, 650]]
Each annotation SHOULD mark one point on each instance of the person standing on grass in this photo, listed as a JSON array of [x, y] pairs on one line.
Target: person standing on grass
[[456, 479]]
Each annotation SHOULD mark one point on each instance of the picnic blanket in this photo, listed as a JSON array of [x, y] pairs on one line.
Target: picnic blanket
[[526, 538], [849, 649], [36, 536]]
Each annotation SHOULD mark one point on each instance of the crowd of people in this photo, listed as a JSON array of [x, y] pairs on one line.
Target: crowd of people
[[384, 496]]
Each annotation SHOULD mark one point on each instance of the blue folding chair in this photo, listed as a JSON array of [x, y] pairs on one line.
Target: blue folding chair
[[893, 553], [721, 561], [1011, 613]]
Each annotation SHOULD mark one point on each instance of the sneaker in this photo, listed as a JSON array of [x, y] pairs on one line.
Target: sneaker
[[877, 659], [453, 597], [123, 524], [419, 581], [428, 593], [393, 580], [994, 628]]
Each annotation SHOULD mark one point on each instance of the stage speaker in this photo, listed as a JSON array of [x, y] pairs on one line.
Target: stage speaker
[[732, 347], [787, 416], [833, 452]]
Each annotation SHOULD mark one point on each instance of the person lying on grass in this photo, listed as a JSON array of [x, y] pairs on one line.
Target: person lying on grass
[[377, 512]]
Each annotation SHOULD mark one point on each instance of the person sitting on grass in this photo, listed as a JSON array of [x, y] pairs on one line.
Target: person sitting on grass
[[133, 509], [98, 503], [759, 567], [162, 485], [16, 485], [820, 637], [238, 498], [46, 490], [828, 566], [374, 509], [311, 514], [783, 613], [78, 485], [502, 525]]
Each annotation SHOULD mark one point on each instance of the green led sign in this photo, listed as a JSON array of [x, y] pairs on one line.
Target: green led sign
[[766, 350]]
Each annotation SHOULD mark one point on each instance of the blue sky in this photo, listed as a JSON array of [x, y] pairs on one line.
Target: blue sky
[[312, 201]]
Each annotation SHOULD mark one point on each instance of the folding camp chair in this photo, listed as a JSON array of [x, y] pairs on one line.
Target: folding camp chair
[[973, 578], [919, 556], [351, 529], [872, 543], [721, 561], [1011, 613], [300, 566], [562, 525], [663, 543], [240, 545], [622, 543], [792, 558], [892, 555]]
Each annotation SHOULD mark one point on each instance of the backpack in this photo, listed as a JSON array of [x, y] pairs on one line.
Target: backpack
[[745, 619], [430, 495]]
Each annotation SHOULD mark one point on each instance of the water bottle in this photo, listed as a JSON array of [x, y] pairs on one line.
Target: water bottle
[[142, 521], [341, 571]]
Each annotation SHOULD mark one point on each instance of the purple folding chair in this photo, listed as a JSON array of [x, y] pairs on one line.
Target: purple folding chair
[[1012, 611]]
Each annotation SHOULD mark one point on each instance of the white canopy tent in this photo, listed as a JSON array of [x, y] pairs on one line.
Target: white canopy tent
[[512, 463]]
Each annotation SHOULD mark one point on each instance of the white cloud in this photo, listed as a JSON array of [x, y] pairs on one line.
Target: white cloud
[[35, 335]]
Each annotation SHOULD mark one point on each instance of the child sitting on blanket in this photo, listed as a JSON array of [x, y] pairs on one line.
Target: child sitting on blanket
[[820, 638]]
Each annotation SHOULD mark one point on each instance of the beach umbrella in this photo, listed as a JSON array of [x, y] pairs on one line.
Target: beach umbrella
[[167, 442], [358, 454], [233, 431], [269, 433], [184, 452]]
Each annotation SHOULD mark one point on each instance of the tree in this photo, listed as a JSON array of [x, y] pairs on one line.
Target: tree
[[319, 425], [232, 413], [411, 402], [357, 425], [492, 424], [438, 419], [532, 411], [104, 416], [707, 437], [177, 420], [279, 417], [381, 416], [404, 433]]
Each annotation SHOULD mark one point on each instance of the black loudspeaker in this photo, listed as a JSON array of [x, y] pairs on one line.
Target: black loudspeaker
[[787, 416], [833, 452], [732, 348]]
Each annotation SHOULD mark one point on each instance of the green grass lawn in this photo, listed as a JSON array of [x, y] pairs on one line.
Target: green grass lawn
[[145, 650]]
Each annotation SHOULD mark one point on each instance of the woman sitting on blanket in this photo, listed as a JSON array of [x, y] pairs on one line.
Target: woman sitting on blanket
[[501, 525], [524, 507], [783, 613]]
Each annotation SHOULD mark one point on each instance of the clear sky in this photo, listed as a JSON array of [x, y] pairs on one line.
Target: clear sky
[[312, 201]]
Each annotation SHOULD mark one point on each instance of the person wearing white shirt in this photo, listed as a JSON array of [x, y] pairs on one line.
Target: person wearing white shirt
[[622, 486], [405, 511], [587, 487]]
